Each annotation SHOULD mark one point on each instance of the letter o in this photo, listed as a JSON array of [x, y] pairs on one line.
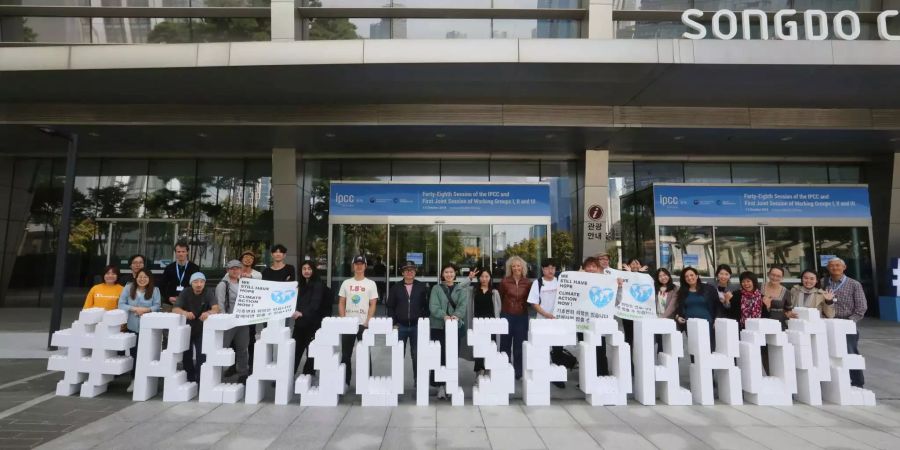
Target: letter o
[[839, 25]]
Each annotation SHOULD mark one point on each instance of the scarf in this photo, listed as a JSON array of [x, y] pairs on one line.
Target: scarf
[[806, 295], [751, 306]]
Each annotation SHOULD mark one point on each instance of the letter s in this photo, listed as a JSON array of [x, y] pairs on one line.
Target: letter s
[[687, 19]]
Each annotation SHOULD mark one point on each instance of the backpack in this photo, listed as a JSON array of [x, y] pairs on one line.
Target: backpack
[[562, 357]]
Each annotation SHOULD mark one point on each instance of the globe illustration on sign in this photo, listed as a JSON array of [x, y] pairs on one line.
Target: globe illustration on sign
[[282, 297], [601, 297], [641, 292], [355, 299]]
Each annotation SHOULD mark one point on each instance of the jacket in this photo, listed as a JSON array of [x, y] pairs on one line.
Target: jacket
[[309, 302], [126, 303], [170, 281], [407, 309], [439, 305], [826, 309], [733, 311], [711, 295], [671, 304], [514, 296], [470, 308]]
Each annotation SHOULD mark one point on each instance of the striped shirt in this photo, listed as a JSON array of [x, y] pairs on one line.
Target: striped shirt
[[849, 298]]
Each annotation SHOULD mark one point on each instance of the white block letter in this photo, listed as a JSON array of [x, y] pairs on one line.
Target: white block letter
[[648, 372], [839, 25], [781, 382], [212, 390], [493, 389], [610, 389], [839, 390], [762, 21], [815, 15], [326, 350], [429, 359], [882, 25], [687, 18], [808, 334], [539, 372], [781, 25], [379, 391], [154, 363], [717, 24], [728, 375], [273, 361]]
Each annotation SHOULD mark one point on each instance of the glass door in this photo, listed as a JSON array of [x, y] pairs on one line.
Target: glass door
[[466, 246], [350, 240], [790, 248], [416, 243], [526, 241], [740, 248], [850, 244], [686, 246]]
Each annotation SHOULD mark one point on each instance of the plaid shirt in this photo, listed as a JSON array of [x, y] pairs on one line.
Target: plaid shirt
[[849, 299]]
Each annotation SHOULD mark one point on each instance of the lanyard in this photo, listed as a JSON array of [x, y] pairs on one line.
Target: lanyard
[[841, 284], [180, 274]]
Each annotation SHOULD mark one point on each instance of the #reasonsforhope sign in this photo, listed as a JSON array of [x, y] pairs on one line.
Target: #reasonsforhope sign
[[260, 301], [815, 24]]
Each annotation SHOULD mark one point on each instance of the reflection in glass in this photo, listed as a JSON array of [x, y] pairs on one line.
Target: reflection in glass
[[347, 28], [791, 248], [416, 243], [441, 29], [804, 173], [535, 28], [647, 173], [366, 170], [754, 173], [740, 248], [683, 246], [67, 30], [526, 241], [844, 174], [852, 245], [707, 173], [464, 171], [367, 240], [515, 171], [466, 246], [418, 171]]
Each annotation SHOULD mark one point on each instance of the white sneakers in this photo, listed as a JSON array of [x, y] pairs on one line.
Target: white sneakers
[[442, 393], [130, 387]]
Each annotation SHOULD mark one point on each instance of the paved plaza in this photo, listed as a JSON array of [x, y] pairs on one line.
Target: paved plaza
[[31, 416]]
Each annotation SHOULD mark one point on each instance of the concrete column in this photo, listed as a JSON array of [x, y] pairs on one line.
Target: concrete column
[[286, 202], [595, 207], [284, 17], [600, 23]]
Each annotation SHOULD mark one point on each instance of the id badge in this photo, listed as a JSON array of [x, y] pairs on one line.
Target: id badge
[[179, 288]]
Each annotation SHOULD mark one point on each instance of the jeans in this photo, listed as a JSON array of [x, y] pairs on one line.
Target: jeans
[[238, 338], [347, 343], [856, 376], [193, 357], [409, 334], [511, 343]]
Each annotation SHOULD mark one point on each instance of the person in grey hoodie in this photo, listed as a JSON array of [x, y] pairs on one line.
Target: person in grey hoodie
[[237, 338]]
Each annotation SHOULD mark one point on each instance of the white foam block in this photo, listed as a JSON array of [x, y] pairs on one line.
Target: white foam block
[[493, 389], [379, 391], [838, 390], [154, 363], [539, 371], [651, 367], [428, 355], [326, 351], [212, 390], [273, 361], [720, 363], [610, 389], [778, 387], [808, 334], [92, 352]]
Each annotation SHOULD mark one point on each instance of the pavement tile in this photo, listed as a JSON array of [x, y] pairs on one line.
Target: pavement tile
[[462, 438], [519, 438]]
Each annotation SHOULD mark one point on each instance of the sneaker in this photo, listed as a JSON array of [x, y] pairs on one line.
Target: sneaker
[[559, 384], [130, 387], [442, 393]]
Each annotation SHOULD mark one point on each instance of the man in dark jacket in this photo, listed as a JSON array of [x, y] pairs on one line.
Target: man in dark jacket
[[176, 276], [408, 302]]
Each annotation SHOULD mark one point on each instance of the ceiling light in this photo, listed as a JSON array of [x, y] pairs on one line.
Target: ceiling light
[[787, 138], [201, 135], [440, 135], [330, 135], [678, 138]]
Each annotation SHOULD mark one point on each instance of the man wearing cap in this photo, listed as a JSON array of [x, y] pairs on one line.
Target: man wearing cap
[[248, 260], [407, 302], [357, 298], [176, 276], [603, 261], [195, 304], [237, 338]]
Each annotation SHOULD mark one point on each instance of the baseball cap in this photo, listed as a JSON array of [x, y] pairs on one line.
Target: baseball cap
[[233, 264], [359, 259], [198, 276], [602, 255], [408, 265]]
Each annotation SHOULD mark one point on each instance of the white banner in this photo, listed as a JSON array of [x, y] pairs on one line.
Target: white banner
[[637, 300], [583, 296], [259, 301]]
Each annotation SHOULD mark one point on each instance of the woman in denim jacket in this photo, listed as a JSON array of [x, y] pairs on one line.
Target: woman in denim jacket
[[138, 298]]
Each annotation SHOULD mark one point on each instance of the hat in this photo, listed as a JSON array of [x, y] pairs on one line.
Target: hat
[[359, 259], [248, 252], [233, 264], [602, 255], [198, 276], [408, 265]]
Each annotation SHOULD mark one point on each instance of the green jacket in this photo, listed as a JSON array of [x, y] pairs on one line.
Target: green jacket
[[439, 305]]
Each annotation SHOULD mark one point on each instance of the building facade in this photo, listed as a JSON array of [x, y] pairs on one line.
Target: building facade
[[223, 123]]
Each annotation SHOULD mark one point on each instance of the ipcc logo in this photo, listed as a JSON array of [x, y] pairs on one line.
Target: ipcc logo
[[343, 199], [668, 200]]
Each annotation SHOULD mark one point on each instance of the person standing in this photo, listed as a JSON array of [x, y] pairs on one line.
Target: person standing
[[542, 297], [666, 294], [697, 300], [448, 302], [139, 298], [723, 281], [307, 316], [747, 302], [807, 294], [484, 303], [195, 304], [106, 294], [277, 271], [248, 261], [777, 298], [176, 276], [407, 302], [357, 298], [514, 288], [237, 338], [136, 264], [850, 304]]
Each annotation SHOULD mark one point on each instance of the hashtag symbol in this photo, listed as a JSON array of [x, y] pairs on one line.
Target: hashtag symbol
[[91, 358]]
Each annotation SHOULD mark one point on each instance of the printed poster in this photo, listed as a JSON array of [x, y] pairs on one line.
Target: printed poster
[[260, 301]]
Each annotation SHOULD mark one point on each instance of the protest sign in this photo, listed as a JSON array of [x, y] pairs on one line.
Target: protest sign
[[259, 301], [583, 296], [637, 301]]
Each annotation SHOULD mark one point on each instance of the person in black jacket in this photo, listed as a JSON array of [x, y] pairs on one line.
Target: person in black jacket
[[308, 314], [407, 302], [176, 276], [697, 300]]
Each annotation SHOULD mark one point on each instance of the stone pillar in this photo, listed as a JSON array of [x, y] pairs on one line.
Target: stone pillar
[[284, 17], [594, 215], [600, 23], [286, 202]]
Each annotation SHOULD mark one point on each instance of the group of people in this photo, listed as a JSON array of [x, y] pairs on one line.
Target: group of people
[[455, 299]]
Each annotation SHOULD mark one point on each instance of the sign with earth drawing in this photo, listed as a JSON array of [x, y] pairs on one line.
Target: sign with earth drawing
[[637, 298], [260, 301], [583, 296]]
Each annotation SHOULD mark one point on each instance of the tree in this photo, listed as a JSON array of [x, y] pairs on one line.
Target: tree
[[330, 29], [213, 29]]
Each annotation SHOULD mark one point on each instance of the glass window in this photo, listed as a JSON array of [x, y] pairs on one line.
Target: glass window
[[686, 246], [466, 246], [416, 243], [671, 5], [790, 248], [621, 182], [839, 5], [347, 3], [841, 174], [739, 5], [531, 4], [740, 248], [257, 213], [528, 242], [647, 173], [650, 30], [707, 173], [535, 28], [465, 171], [804, 173], [347, 28], [121, 189], [416, 171], [754, 173], [441, 3], [68, 30], [515, 171], [318, 175], [366, 170], [441, 29], [853, 246]]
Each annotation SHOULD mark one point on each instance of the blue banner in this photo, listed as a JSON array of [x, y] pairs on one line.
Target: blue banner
[[389, 199], [761, 201]]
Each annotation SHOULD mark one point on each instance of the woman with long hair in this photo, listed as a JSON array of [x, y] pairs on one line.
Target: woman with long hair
[[666, 294], [513, 289], [777, 298], [448, 301], [484, 302], [697, 300], [307, 317], [140, 298], [746, 302], [106, 294], [808, 294]]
